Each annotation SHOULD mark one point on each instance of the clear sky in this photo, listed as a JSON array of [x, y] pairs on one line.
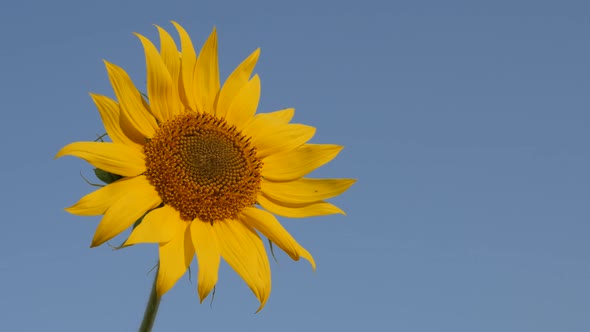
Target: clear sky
[[465, 123]]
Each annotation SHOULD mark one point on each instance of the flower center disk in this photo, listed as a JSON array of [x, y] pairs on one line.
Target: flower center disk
[[203, 168]]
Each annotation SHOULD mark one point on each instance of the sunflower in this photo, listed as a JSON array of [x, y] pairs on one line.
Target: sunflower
[[206, 173]]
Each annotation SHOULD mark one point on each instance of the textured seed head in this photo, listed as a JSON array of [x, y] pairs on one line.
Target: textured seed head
[[203, 167]]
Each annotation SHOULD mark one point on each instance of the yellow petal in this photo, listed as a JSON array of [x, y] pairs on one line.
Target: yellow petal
[[208, 256], [99, 201], [305, 190], [244, 104], [158, 226], [111, 115], [175, 257], [125, 211], [296, 163], [291, 210], [187, 68], [234, 83], [112, 157], [162, 91], [134, 114], [269, 136], [207, 75], [281, 116], [268, 225], [170, 55], [243, 250], [276, 118]]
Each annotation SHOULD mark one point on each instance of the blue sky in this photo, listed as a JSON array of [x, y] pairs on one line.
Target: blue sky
[[465, 123]]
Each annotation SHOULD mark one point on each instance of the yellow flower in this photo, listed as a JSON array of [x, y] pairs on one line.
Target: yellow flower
[[204, 168]]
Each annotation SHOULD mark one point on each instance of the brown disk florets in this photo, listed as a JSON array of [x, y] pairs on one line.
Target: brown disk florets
[[203, 167]]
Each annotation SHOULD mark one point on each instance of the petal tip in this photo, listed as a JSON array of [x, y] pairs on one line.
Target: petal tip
[[176, 25], [161, 286], [61, 152], [312, 263], [339, 210], [204, 290], [255, 55], [262, 304], [97, 240], [305, 254], [203, 296]]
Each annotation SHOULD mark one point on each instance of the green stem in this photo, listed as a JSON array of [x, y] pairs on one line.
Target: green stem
[[151, 309]]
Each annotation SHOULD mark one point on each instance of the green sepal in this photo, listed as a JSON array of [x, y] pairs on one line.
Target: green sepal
[[105, 176], [272, 251]]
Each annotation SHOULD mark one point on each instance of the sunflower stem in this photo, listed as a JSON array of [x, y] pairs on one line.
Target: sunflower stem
[[151, 309]]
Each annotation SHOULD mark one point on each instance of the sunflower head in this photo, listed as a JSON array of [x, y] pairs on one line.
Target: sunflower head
[[203, 168], [206, 173]]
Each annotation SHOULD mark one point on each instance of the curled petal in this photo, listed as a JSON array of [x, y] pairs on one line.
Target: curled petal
[[162, 91], [294, 164], [187, 68], [121, 215], [170, 55], [112, 157], [207, 75], [305, 190], [110, 114], [158, 226], [208, 256], [175, 257], [270, 136], [244, 104], [99, 201], [283, 116], [243, 250], [134, 114], [268, 225], [305, 210], [234, 83]]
